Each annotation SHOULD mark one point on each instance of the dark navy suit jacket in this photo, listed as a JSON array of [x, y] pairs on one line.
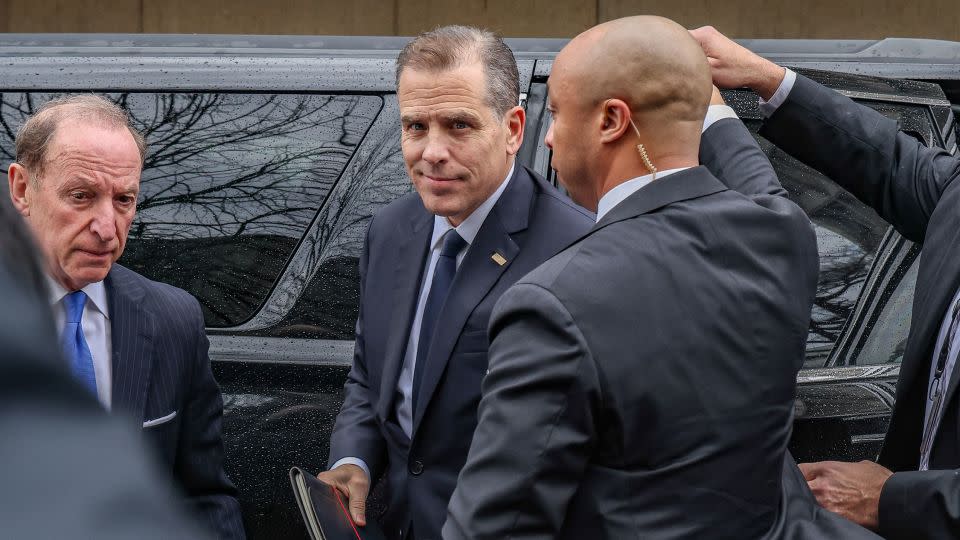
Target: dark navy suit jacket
[[162, 379], [69, 470], [641, 382], [530, 223]]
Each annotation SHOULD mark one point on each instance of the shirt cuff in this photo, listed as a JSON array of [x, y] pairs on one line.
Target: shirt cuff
[[767, 108], [717, 112], [353, 461]]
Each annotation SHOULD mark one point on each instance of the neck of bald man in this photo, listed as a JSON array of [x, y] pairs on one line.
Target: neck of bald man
[[626, 163]]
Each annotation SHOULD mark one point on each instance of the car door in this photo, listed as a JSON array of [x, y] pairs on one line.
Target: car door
[[844, 404], [861, 314]]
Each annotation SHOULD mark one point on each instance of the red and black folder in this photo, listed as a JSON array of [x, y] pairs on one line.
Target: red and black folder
[[324, 510]]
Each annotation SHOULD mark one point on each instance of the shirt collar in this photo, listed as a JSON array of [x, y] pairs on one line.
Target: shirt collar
[[469, 228], [96, 292], [619, 193]]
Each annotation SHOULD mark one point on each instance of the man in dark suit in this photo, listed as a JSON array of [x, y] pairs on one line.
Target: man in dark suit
[[434, 264], [137, 345], [69, 470], [913, 490], [641, 382]]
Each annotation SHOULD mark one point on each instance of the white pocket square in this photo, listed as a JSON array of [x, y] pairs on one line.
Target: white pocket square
[[161, 420]]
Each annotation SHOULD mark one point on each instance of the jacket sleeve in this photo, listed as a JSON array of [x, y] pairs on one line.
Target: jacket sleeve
[[729, 151], [918, 505], [863, 152], [356, 433], [536, 423], [200, 451]]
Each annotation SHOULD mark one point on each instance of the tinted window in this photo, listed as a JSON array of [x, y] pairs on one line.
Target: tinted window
[[848, 235], [886, 339], [318, 294], [230, 184]]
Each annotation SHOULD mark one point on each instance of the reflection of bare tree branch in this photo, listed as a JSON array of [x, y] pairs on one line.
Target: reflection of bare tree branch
[[230, 183], [841, 277]]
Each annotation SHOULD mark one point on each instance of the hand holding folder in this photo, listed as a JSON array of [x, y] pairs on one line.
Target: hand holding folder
[[324, 510]]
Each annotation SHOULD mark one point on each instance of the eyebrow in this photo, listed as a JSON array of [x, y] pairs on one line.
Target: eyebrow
[[84, 183], [462, 116], [458, 116]]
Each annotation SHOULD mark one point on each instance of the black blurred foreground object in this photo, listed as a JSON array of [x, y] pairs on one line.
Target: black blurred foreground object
[[68, 470], [324, 510]]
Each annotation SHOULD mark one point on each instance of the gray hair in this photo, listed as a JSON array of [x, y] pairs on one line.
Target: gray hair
[[33, 138], [448, 47]]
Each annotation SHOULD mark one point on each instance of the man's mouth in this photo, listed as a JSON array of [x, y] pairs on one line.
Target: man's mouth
[[438, 178], [97, 253]]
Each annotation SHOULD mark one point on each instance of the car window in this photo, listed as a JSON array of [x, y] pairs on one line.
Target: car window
[[886, 334], [230, 184], [318, 295], [848, 234]]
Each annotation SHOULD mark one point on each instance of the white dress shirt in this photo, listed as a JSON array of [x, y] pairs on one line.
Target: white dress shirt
[[617, 195], [467, 230], [620, 192], [767, 108], [96, 330]]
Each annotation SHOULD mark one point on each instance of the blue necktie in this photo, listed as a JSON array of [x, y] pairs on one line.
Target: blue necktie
[[443, 275], [74, 344]]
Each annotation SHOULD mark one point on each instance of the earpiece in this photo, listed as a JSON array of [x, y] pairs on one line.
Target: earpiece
[[643, 153]]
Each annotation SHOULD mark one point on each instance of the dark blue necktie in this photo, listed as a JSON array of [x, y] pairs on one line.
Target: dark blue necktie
[[443, 275], [74, 344]]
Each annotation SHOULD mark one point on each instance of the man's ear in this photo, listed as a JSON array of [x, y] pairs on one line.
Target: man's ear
[[515, 119], [19, 182], [615, 120]]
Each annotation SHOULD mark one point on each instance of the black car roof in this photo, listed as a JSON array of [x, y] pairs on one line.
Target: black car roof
[[365, 63], [889, 50]]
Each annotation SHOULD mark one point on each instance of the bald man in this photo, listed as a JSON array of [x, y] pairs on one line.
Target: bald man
[[641, 382]]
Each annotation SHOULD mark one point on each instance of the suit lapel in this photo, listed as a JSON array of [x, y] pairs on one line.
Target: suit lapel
[[901, 447], [131, 329], [940, 302], [410, 257], [477, 274]]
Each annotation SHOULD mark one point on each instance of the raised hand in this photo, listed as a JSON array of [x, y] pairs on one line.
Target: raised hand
[[735, 66]]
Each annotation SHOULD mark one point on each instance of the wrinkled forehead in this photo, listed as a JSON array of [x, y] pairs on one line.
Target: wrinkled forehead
[[92, 141], [100, 155]]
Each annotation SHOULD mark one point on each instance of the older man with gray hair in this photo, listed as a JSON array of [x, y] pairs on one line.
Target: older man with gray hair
[[138, 346], [434, 264]]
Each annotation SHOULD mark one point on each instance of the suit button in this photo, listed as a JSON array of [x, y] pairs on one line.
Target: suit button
[[416, 468]]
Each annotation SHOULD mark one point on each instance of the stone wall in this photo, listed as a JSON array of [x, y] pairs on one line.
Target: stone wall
[[851, 19]]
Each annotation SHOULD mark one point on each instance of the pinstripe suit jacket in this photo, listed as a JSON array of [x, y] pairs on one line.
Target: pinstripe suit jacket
[[162, 378]]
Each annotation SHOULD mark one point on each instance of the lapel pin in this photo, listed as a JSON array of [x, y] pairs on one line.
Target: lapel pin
[[498, 258]]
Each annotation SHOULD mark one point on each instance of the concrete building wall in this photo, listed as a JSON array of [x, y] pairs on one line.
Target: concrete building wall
[[852, 19]]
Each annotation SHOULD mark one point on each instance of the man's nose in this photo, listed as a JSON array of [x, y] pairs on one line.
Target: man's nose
[[548, 139], [104, 222], [436, 150]]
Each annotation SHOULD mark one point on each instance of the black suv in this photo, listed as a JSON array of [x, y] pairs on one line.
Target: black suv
[[268, 156]]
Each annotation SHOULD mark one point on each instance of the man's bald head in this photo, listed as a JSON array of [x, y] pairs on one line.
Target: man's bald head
[[652, 63], [633, 81]]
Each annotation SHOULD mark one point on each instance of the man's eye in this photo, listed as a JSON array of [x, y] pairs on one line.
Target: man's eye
[[416, 126], [78, 196], [126, 200], [460, 125]]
